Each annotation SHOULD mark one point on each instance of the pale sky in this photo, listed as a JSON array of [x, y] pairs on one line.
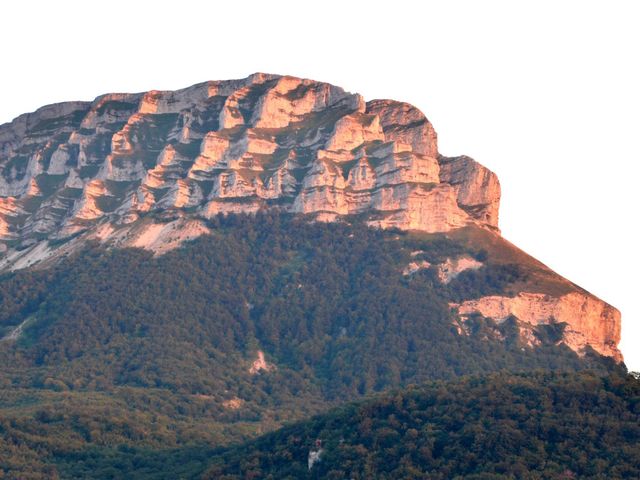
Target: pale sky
[[546, 94]]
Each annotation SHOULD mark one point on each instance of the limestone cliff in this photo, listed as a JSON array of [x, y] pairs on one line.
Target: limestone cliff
[[148, 169], [240, 145], [589, 321]]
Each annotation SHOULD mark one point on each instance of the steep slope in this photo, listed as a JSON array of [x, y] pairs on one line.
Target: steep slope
[[148, 170], [269, 319]]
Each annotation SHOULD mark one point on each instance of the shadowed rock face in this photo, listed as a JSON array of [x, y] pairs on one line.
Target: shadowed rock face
[[79, 171]]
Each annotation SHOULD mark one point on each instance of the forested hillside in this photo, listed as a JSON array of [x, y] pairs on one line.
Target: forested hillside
[[117, 352], [540, 426]]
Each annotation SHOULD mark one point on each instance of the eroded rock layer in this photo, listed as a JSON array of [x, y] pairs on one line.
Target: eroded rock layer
[[588, 320], [228, 146]]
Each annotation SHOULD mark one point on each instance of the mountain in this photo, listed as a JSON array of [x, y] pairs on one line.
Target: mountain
[[117, 169], [186, 270]]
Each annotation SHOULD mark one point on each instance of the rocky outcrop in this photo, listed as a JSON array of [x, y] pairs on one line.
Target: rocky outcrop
[[260, 364], [447, 270], [477, 189], [452, 267], [234, 403], [588, 320], [414, 267], [266, 141]]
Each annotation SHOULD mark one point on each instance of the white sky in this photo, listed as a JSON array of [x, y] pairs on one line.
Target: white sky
[[546, 94]]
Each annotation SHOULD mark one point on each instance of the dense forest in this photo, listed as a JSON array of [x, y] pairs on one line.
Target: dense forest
[[500, 426], [121, 353]]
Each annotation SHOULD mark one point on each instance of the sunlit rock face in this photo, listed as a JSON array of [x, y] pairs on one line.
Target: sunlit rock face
[[108, 170], [226, 146], [589, 321]]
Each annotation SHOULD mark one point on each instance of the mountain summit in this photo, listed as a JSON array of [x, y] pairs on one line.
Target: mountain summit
[[150, 169], [232, 146]]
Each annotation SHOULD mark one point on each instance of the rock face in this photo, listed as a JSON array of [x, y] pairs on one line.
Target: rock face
[[147, 170], [240, 145], [260, 364], [589, 321], [452, 267]]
